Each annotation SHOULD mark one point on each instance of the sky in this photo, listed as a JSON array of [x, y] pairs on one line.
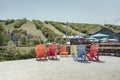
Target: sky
[[78, 11]]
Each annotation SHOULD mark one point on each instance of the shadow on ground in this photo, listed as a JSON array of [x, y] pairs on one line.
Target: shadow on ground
[[42, 60], [54, 59], [98, 61], [82, 61]]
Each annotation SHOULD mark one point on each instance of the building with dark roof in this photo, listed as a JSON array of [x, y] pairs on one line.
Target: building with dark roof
[[112, 34]]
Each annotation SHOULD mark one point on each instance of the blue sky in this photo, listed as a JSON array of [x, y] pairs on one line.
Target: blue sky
[[82, 11]]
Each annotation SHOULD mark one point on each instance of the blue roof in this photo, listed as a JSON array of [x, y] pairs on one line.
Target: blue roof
[[100, 35]]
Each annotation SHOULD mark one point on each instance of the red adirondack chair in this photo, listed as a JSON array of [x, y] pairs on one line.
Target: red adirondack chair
[[40, 51], [52, 51], [93, 53], [63, 50]]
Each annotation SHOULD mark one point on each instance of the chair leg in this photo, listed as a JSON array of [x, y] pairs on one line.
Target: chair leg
[[48, 57], [56, 57], [96, 57], [87, 57], [45, 57], [84, 58], [37, 58], [66, 55]]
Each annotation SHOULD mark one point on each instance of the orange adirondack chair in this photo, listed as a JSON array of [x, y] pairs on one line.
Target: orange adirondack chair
[[63, 50], [40, 51], [93, 52], [52, 51]]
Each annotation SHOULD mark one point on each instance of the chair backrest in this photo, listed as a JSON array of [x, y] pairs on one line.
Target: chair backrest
[[63, 48], [52, 48], [94, 49], [73, 49], [41, 50], [81, 50]]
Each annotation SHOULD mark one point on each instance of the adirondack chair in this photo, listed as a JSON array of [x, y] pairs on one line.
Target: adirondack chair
[[81, 53], [93, 53], [63, 50], [40, 51], [52, 51], [73, 49]]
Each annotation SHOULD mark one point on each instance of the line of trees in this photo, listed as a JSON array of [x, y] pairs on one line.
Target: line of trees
[[85, 28], [112, 27], [59, 26], [3, 37], [20, 22], [9, 21], [48, 33]]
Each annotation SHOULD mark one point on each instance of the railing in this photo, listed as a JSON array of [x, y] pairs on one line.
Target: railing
[[109, 49], [106, 48]]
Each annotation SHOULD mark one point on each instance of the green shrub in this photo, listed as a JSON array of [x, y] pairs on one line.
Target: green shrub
[[17, 55], [20, 22], [32, 53], [21, 54], [59, 26], [46, 31], [9, 21]]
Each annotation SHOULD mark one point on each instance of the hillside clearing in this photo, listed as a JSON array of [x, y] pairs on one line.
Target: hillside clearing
[[29, 26]]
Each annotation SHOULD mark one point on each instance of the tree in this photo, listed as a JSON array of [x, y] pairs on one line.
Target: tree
[[3, 38], [1, 29], [9, 21], [1, 35], [23, 40]]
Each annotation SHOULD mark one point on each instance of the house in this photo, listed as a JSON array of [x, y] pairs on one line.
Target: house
[[112, 34]]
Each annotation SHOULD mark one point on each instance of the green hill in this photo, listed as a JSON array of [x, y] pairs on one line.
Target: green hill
[[54, 29], [29, 26], [51, 30]]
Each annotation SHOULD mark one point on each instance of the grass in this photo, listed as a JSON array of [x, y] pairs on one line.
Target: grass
[[74, 31], [54, 29], [24, 50], [29, 26]]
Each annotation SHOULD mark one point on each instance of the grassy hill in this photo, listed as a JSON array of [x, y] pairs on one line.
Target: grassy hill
[[29, 26], [52, 29], [73, 30]]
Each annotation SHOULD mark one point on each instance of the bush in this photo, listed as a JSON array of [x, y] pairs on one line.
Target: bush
[[32, 53], [4, 54], [17, 55], [19, 23], [36, 41], [46, 31], [23, 40], [21, 54], [59, 26], [3, 37], [9, 21]]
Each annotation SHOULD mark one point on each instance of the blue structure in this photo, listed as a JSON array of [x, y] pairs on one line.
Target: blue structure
[[80, 54], [78, 37], [112, 35]]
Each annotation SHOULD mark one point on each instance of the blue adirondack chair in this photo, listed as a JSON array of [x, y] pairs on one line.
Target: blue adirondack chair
[[80, 54]]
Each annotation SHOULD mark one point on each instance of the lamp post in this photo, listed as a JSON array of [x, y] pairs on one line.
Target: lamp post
[[66, 30]]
